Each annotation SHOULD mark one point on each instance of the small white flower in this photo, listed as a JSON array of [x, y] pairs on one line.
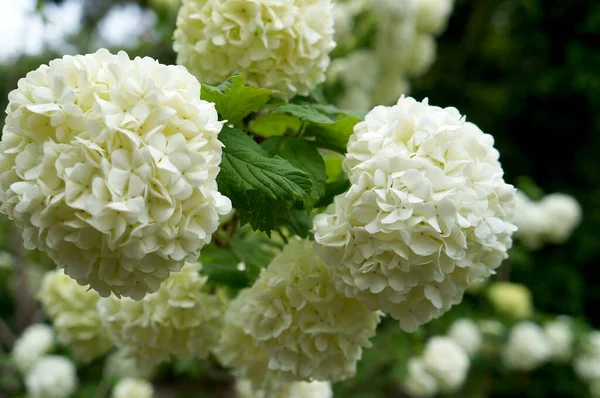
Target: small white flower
[[446, 361], [466, 334], [280, 44], [109, 166], [427, 212], [511, 299], [560, 336], [120, 365], [294, 323], [35, 341], [564, 215], [177, 320], [587, 364], [297, 389], [72, 309], [51, 377], [527, 347], [432, 15], [133, 388], [418, 382]]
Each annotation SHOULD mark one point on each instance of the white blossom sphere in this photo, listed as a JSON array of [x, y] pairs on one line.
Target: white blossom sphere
[[108, 165], [564, 215], [559, 333], [466, 334], [418, 382], [35, 341], [72, 309], [446, 361], [295, 389], [179, 319], [130, 387], [51, 377], [296, 323], [527, 347], [279, 44], [426, 214]]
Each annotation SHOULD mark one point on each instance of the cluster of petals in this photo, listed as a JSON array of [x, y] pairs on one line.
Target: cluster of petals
[[130, 387], [75, 318], [527, 347], [35, 341], [292, 324], [279, 44], [178, 320], [295, 389], [51, 376], [549, 220], [511, 299], [445, 360], [559, 333], [427, 212], [467, 335], [404, 47], [109, 166]]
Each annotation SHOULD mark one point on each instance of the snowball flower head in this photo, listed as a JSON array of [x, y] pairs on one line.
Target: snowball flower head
[[587, 364], [426, 213], [418, 382], [511, 299], [108, 165], [466, 334], [564, 215], [447, 362], [297, 389], [560, 337], [35, 341], [72, 309], [51, 377], [531, 221], [527, 347], [179, 319], [279, 44], [133, 388], [120, 365], [432, 15], [294, 315]]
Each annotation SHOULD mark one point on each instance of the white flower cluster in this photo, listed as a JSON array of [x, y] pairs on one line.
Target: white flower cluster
[[130, 387], [426, 214], [511, 299], [108, 165], [35, 341], [467, 335], [559, 333], [293, 325], [72, 309], [587, 363], [279, 44], [527, 347], [296, 389], [119, 365], [179, 319], [443, 367], [550, 220], [404, 47], [51, 377]]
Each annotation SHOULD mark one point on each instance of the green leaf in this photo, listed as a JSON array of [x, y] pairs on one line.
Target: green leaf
[[256, 252], [305, 156], [300, 224], [221, 265], [234, 99], [333, 110], [305, 112], [262, 189], [274, 124], [331, 190], [333, 136]]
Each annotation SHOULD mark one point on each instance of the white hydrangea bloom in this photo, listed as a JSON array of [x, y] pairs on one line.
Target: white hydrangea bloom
[[587, 364], [120, 365], [560, 337], [280, 44], [342, 21], [527, 347], [511, 299], [35, 341], [51, 377], [389, 87], [466, 334], [426, 214], [530, 220], [421, 56], [133, 388], [297, 389], [418, 382], [293, 316], [179, 320], [72, 309], [446, 361], [563, 213], [432, 15], [109, 166]]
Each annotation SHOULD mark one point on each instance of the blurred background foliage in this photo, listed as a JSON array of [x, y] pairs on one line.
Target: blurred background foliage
[[525, 71]]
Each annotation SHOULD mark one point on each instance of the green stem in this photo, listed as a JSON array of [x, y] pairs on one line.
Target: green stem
[[281, 235]]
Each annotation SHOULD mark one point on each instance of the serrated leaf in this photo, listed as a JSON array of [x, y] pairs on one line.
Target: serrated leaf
[[234, 99], [274, 124], [305, 156], [304, 112], [255, 251], [300, 224], [333, 136], [263, 189], [220, 265], [333, 110]]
